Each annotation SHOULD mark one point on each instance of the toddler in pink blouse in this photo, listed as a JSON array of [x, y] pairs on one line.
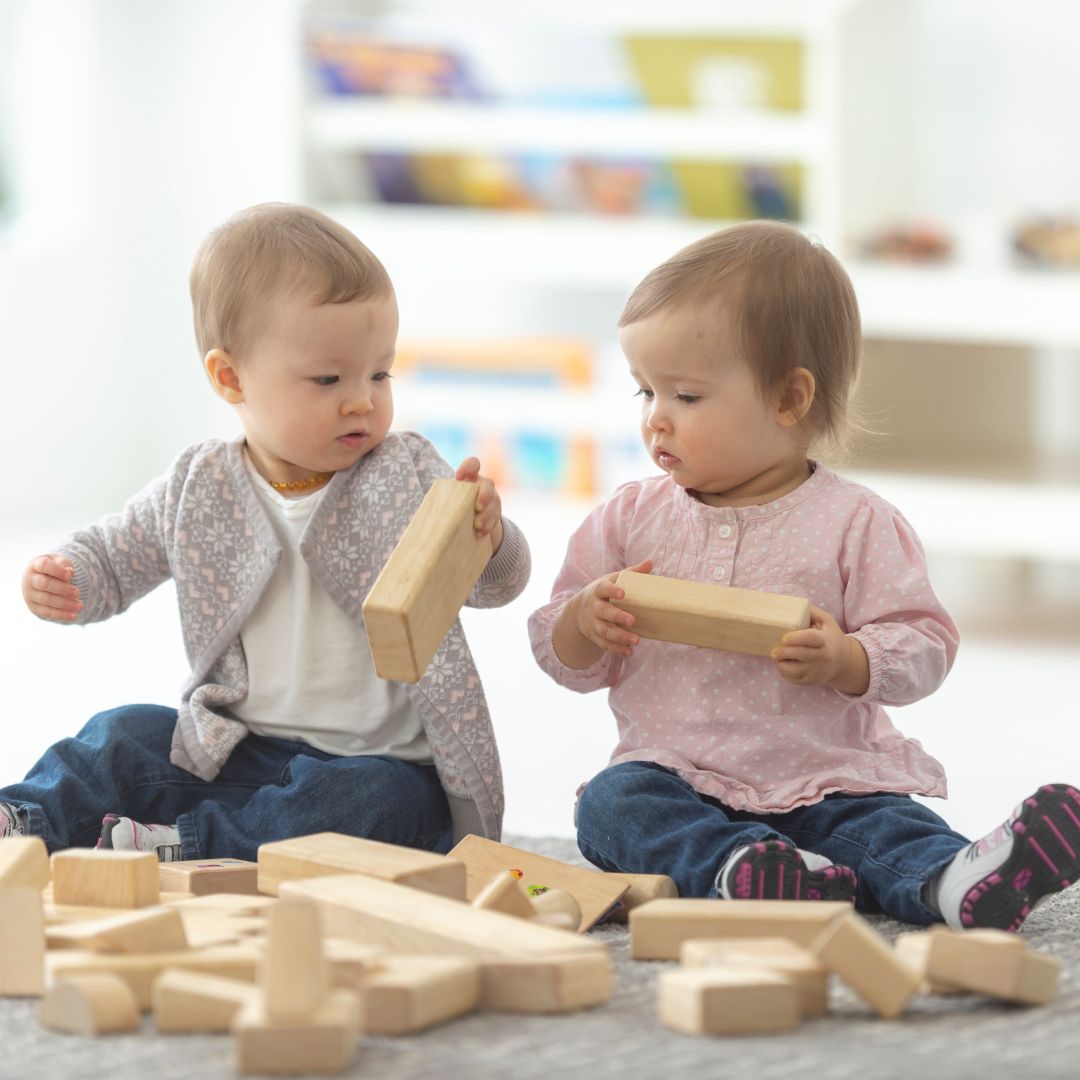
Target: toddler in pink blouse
[[782, 777]]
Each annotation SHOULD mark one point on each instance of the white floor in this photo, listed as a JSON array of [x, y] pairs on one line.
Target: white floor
[[1005, 721]]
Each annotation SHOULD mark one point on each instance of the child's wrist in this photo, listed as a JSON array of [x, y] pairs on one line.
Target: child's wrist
[[854, 674]]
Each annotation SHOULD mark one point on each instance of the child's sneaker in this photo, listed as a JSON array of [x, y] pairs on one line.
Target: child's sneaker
[[998, 880], [774, 870], [123, 834], [11, 822]]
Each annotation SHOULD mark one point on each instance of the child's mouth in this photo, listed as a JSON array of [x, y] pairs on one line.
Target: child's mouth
[[354, 440]]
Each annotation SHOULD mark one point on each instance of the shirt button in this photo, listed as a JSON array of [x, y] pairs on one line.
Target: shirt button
[[719, 573], [724, 531]]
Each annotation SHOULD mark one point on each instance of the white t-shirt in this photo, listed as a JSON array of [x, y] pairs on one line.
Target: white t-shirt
[[310, 673]]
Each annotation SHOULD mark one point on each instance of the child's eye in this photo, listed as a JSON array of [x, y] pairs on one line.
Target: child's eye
[[642, 392], [379, 376], [325, 380], [688, 399]]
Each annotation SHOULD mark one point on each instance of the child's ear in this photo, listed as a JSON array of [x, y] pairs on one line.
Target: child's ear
[[796, 397], [224, 377]]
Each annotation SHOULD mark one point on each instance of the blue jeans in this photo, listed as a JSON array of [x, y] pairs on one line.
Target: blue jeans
[[269, 789], [639, 817]]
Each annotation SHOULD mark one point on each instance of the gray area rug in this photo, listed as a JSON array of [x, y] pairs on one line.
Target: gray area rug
[[965, 1038]]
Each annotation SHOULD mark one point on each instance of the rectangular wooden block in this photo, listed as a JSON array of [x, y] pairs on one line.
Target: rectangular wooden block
[[994, 963], [711, 616], [22, 942], [913, 948], [852, 949], [714, 1001], [545, 985], [429, 575], [404, 920], [483, 859], [328, 854], [786, 958], [641, 888], [105, 878], [412, 993], [659, 928], [200, 877], [24, 860], [198, 1001], [142, 931]]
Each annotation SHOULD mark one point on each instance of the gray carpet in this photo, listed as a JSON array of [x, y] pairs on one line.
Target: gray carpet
[[958, 1038]]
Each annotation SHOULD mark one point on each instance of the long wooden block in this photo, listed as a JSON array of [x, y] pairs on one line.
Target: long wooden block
[[545, 985], [856, 952], [140, 970], [738, 1001], [24, 860], [429, 575], [350, 963], [323, 854], [595, 892], [205, 927], [404, 920], [913, 948], [89, 1005], [295, 978], [711, 616], [325, 1043], [794, 962], [105, 878], [141, 931], [412, 993], [658, 928], [641, 888], [223, 903], [198, 1001], [22, 942], [201, 877], [992, 962]]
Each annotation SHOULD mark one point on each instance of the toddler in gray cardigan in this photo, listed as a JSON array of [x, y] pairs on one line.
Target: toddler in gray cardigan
[[273, 540]]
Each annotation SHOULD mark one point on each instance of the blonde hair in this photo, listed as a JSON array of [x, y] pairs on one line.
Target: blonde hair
[[791, 304], [264, 249]]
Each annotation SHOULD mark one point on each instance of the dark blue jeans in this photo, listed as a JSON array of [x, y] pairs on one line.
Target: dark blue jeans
[[642, 818], [269, 789]]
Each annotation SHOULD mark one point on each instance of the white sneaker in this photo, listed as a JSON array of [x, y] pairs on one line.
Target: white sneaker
[[11, 822], [123, 834], [774, 870], [998, 880]]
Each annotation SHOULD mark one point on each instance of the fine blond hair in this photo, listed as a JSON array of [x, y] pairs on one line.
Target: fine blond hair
[[790, 302], [260, 252]]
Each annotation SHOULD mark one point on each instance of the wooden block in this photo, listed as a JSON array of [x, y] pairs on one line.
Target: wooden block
[[295, 979], [139, 970], [223, 903], [142, 931], [205, 927], [324, 1044], [914, 949], [350, 963], [105, 878], [429, 575], [545, 985], [22, 941], [404, 920], [503, 893], [197, 1001], [794, 962], [594, 891], [556, 907], [852, 949], [994, 963], [711, 616], [641, 888], [24, 860], [205, 876], [333, 853], [411, 993], [89, 1005], [658, 928], [737, 1001]]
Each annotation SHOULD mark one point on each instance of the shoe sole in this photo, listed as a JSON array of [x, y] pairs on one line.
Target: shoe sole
[[772, 870], [1045, 859]]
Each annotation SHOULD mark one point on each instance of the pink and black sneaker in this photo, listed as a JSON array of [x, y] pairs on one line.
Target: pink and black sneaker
[[774, 870], [998, 880]]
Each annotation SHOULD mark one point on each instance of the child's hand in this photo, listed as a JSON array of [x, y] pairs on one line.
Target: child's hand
[[599, 621], [47, 589], [488, 504], [823, 654]]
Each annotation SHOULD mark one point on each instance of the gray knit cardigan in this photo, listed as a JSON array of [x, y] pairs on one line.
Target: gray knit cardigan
[[202, 525]]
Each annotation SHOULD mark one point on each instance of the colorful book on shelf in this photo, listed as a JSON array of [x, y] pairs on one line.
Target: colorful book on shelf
[[534, 362]]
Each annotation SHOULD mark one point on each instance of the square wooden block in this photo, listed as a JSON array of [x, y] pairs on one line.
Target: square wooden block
[[714, 1001], [105, 878]]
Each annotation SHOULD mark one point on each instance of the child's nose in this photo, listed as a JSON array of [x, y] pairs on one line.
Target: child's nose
[[357, 402], [657, 418]]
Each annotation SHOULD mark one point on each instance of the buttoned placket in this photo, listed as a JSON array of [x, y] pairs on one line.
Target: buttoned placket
[[725, 537]]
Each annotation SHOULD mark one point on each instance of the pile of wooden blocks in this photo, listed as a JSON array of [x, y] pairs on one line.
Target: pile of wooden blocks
[[755, 966], [328, 937]]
